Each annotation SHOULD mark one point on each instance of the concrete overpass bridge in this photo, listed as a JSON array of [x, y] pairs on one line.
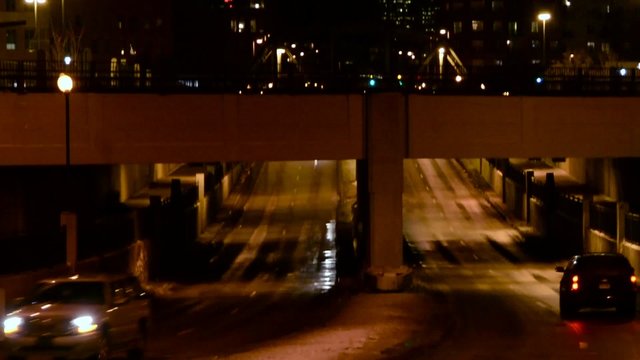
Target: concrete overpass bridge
[[379, 129]]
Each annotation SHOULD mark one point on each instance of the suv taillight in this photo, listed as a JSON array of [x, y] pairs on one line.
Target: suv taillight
[[574, 283]]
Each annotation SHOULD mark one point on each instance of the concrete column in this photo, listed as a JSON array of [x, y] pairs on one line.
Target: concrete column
[[202, 205], [528, 186], [549, 209], [68, 219], [586, 221], [361, 214], [622, 208], [160, 171], [386, 150], [123, 175]]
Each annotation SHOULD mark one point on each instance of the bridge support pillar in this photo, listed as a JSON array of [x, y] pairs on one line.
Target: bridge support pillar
[[622, 208], [386, 150]]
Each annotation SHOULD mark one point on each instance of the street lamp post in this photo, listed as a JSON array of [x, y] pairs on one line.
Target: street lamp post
[[68, 217], [544, 16], [65, 85], [35, 17]]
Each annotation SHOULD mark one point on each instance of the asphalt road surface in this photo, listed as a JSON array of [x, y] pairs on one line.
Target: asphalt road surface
[[276, 262], [474, 295], [494, 301]]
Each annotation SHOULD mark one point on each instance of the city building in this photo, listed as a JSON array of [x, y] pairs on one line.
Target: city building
[[107, 37], [600, 33], [224, 41]]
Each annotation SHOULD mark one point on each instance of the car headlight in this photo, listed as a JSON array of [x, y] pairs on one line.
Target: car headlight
[[84, 324], [12, 324]]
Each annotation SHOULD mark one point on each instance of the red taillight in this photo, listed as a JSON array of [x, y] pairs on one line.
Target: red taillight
[[574, 283]]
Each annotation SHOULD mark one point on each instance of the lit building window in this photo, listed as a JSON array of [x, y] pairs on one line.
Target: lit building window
[[477, 25], [535, 43], [605, 47], [591, 44], [237, 26], [497, 5], [534, 27], [11, 39], [457, 27], [513, 28]]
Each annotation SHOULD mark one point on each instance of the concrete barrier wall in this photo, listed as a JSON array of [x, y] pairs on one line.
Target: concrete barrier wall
[[596, 241], [632, 252], [515, 199], [537, 217], [496, 183], [599, 242]]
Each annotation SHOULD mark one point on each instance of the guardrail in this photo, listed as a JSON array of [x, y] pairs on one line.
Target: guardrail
[[122, 76]]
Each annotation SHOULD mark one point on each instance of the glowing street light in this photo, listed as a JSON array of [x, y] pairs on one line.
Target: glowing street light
[[35, 17], [65, 83], [544, 17]]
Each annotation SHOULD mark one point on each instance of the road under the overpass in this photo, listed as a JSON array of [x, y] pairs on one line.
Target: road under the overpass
[[379, 130]]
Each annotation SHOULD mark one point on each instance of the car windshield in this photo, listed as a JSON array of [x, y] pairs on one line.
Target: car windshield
[[602, 263], [69, 293]]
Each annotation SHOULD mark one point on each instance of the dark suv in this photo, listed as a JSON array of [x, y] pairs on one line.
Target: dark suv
[[597, 280]]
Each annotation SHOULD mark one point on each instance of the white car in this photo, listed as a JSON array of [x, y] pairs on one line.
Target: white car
[[79, 317]]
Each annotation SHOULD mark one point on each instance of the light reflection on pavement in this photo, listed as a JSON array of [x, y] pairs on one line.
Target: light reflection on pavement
[[318, 276]]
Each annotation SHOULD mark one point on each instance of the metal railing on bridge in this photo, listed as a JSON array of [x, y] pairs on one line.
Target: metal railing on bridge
[[41, 76]]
